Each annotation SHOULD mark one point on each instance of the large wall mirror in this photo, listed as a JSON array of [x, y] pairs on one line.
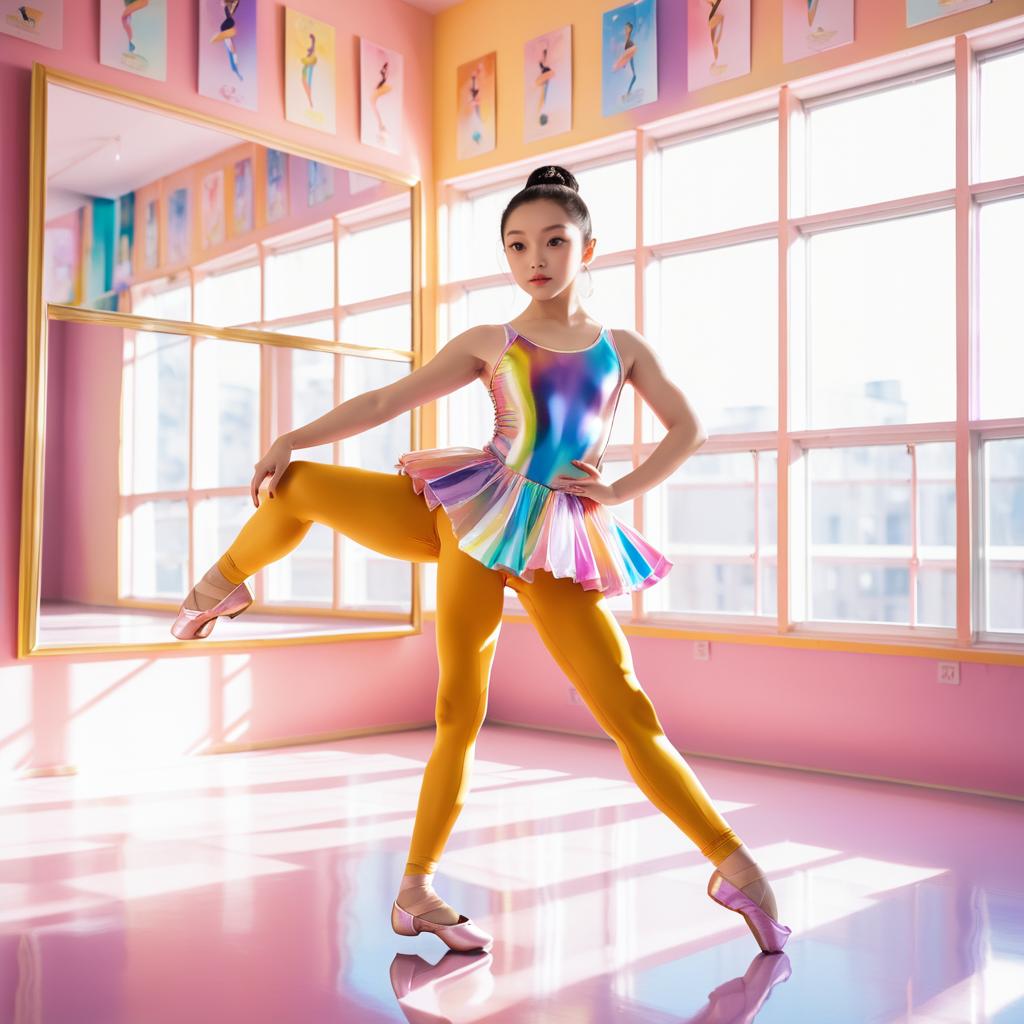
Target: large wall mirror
[[196, 290]]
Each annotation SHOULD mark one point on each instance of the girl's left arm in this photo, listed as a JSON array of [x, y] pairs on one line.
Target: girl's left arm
[[684, 431]]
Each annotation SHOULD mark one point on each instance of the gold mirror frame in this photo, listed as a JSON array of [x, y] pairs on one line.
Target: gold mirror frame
[[37, 319]]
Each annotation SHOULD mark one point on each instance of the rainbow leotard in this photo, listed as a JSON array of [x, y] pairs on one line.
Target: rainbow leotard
[[549, 408]]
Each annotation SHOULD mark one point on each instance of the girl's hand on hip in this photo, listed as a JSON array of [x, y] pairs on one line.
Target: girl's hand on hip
[[591, 486], [274, 463]]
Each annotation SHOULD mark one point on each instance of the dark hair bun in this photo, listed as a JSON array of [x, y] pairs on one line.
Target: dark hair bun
[[552, 174]]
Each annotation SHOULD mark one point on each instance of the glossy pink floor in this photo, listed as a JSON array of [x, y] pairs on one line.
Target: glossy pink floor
[[257, 887]]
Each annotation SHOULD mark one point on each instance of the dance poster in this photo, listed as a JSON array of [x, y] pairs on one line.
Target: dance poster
[[211, 209], [810, 26], [547, 83], [62, 250], [277, 184], [151, 236], [133, 36], [241, 198], [475, 106], [717, 41], [227, 51], [40, 22], [319, 182], [629, 57], [125, 248], [380, 96], [179, 234], [928, 10], [309, 71]]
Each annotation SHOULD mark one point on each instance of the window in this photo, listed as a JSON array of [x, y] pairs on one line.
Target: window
[[864, 353], [180, 492]]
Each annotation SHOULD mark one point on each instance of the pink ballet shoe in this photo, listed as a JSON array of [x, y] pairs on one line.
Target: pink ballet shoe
[[193, 624], [462, 936], [771, 936]]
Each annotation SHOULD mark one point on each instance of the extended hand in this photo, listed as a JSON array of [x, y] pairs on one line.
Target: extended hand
[[592, 486]]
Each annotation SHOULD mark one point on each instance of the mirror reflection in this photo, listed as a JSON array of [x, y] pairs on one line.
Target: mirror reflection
[[151, 436]]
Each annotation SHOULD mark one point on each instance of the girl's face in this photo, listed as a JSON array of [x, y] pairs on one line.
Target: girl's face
[[544, 248]]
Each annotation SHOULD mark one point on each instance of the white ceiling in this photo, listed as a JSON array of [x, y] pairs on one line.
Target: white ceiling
[[82, 146]]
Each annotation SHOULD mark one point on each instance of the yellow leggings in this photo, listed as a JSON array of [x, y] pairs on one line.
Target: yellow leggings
[[381, 511]]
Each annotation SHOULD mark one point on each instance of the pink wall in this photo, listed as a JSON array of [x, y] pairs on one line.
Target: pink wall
[[80, 508], [870, 714], [116, 709]]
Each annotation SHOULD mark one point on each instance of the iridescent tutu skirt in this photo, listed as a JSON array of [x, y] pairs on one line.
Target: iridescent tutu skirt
[[517, 525]]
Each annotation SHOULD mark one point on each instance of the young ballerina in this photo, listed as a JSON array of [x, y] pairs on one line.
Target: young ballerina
[[530, 511]]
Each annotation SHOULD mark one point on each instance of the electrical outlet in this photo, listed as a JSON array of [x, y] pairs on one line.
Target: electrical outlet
[[574, 696], [701, 650], [949, 672]]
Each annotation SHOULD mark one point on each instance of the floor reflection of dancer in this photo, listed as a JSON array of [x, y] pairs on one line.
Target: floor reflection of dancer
[[227, 33], [130, 7], [715, 25], [528, 511], [544, 79], [383, 86], [308, 63]]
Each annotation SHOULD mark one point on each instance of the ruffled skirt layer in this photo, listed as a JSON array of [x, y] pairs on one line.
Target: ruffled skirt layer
[[517, 525]]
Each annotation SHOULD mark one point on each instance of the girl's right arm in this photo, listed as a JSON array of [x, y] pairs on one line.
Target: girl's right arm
[[456, 365]]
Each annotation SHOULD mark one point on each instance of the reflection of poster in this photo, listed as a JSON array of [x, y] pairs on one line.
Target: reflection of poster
[[547, 80], [629, 57], [474, 126], [319, 182], [929, 10], [41, 22], [179, 238], [133, 36], [241, 200], [277, 184], [151, 252], [380, 96], [811, 28], [717, 41], [125, 241], [309, 73], [211, 209], [62, 247], [227, 51]]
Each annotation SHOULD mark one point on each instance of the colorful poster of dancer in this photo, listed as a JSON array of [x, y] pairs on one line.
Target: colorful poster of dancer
[[211, 209], [179, 234], [133, 36], [277, 184], [319, 182], [629, 57], [380, 96], [63, 253], [475, 121], [39, 22], [810, 26], [125, 252], [929, 10], [717, 41], [547, 80], [241, 198], [309, 71], [227, 51], [151, 245]]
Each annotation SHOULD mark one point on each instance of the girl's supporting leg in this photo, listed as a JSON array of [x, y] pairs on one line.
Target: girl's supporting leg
[[378, 510], [470, 597], [583, 635]]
